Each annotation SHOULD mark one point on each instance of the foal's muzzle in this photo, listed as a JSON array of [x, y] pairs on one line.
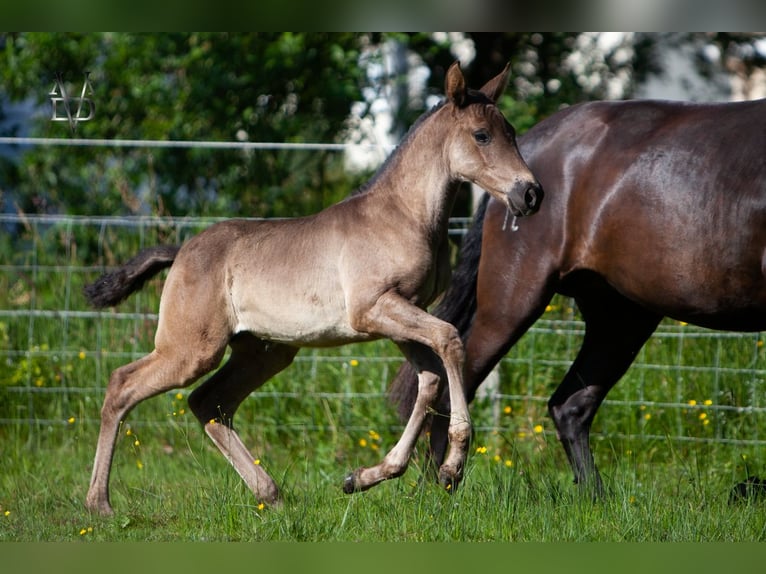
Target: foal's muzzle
[[526, 198]]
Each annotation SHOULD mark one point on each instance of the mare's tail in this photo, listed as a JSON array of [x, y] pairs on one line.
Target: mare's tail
[[114, 287], [457, 306]]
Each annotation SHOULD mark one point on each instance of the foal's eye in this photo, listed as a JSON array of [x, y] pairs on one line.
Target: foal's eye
[[482, 137]]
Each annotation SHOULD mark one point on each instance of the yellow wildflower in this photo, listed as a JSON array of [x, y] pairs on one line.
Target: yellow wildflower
[[647, 416], [81, 355], [508, 462], [179, 396], [507, 410], [703, 416], [362, 442], [71, 420], [538, 429], [353, 363], [692, 403], [481, 449], [257, 462], [261, 506], [707, 402]]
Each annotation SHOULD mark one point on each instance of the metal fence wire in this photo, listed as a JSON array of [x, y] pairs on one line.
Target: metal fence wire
[[687, 384]]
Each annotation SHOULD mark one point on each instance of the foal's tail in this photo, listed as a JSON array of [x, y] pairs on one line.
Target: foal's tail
[[114, 287], [457, 306]]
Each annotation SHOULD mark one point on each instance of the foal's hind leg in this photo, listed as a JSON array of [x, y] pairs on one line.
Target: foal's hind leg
[[214, 403], [615, 331], [161, 370]]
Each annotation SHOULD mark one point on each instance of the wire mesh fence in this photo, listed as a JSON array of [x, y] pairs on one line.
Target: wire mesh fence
[[687, 384]]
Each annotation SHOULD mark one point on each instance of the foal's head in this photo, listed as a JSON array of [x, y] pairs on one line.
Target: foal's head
[[482, 145]]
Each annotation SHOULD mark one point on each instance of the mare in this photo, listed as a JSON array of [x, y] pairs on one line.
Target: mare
[[360, 270], [653, 209]]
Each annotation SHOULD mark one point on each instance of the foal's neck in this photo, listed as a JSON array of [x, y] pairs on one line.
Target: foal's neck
[[417, 177]]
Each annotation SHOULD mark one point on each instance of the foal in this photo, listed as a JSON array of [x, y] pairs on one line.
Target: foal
[[360, 270]]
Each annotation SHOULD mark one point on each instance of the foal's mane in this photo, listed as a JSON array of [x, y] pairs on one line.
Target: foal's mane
[[398, 150]]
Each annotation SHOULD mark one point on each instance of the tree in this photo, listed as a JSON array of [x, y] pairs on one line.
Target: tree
[[208, 86]]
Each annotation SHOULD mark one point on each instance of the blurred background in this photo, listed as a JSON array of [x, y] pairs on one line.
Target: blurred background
[[362, 90]]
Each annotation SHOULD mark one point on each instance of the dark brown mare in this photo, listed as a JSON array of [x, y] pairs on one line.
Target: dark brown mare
[[652, 209], [360, 270]]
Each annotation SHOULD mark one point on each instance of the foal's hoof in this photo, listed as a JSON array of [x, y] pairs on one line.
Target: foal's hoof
[[99, 506], [351, 484], [449, 479]]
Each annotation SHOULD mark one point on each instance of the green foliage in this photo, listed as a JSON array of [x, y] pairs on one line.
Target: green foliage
[[284, 87]]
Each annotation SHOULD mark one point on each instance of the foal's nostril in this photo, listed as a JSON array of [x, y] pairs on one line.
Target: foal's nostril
[[533, 196]]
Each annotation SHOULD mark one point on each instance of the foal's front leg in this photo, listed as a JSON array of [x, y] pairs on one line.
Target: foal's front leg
[[394, 317]]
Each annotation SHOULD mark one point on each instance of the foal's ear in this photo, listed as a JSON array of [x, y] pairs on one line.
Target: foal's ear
[[496, 86], [454, 85]]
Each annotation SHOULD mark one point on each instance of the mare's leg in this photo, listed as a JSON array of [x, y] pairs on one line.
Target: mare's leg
[[507, 305], [252, 363], [615, 330], [165, 368], [396, 318]]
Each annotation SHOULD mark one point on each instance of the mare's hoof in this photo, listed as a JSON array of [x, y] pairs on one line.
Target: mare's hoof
[[753, 488]]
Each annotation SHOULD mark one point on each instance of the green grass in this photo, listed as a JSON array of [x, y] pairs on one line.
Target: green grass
[[311, 425], [188, 492]]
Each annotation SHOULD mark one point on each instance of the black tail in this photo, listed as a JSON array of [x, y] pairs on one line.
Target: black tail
[[457, 306], [112, 288]]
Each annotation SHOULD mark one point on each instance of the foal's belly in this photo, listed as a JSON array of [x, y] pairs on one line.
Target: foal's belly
[[299, 322]]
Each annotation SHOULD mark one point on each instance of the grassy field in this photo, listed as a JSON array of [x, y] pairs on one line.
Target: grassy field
[[685, 425], [173, 485], [170, 483]]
